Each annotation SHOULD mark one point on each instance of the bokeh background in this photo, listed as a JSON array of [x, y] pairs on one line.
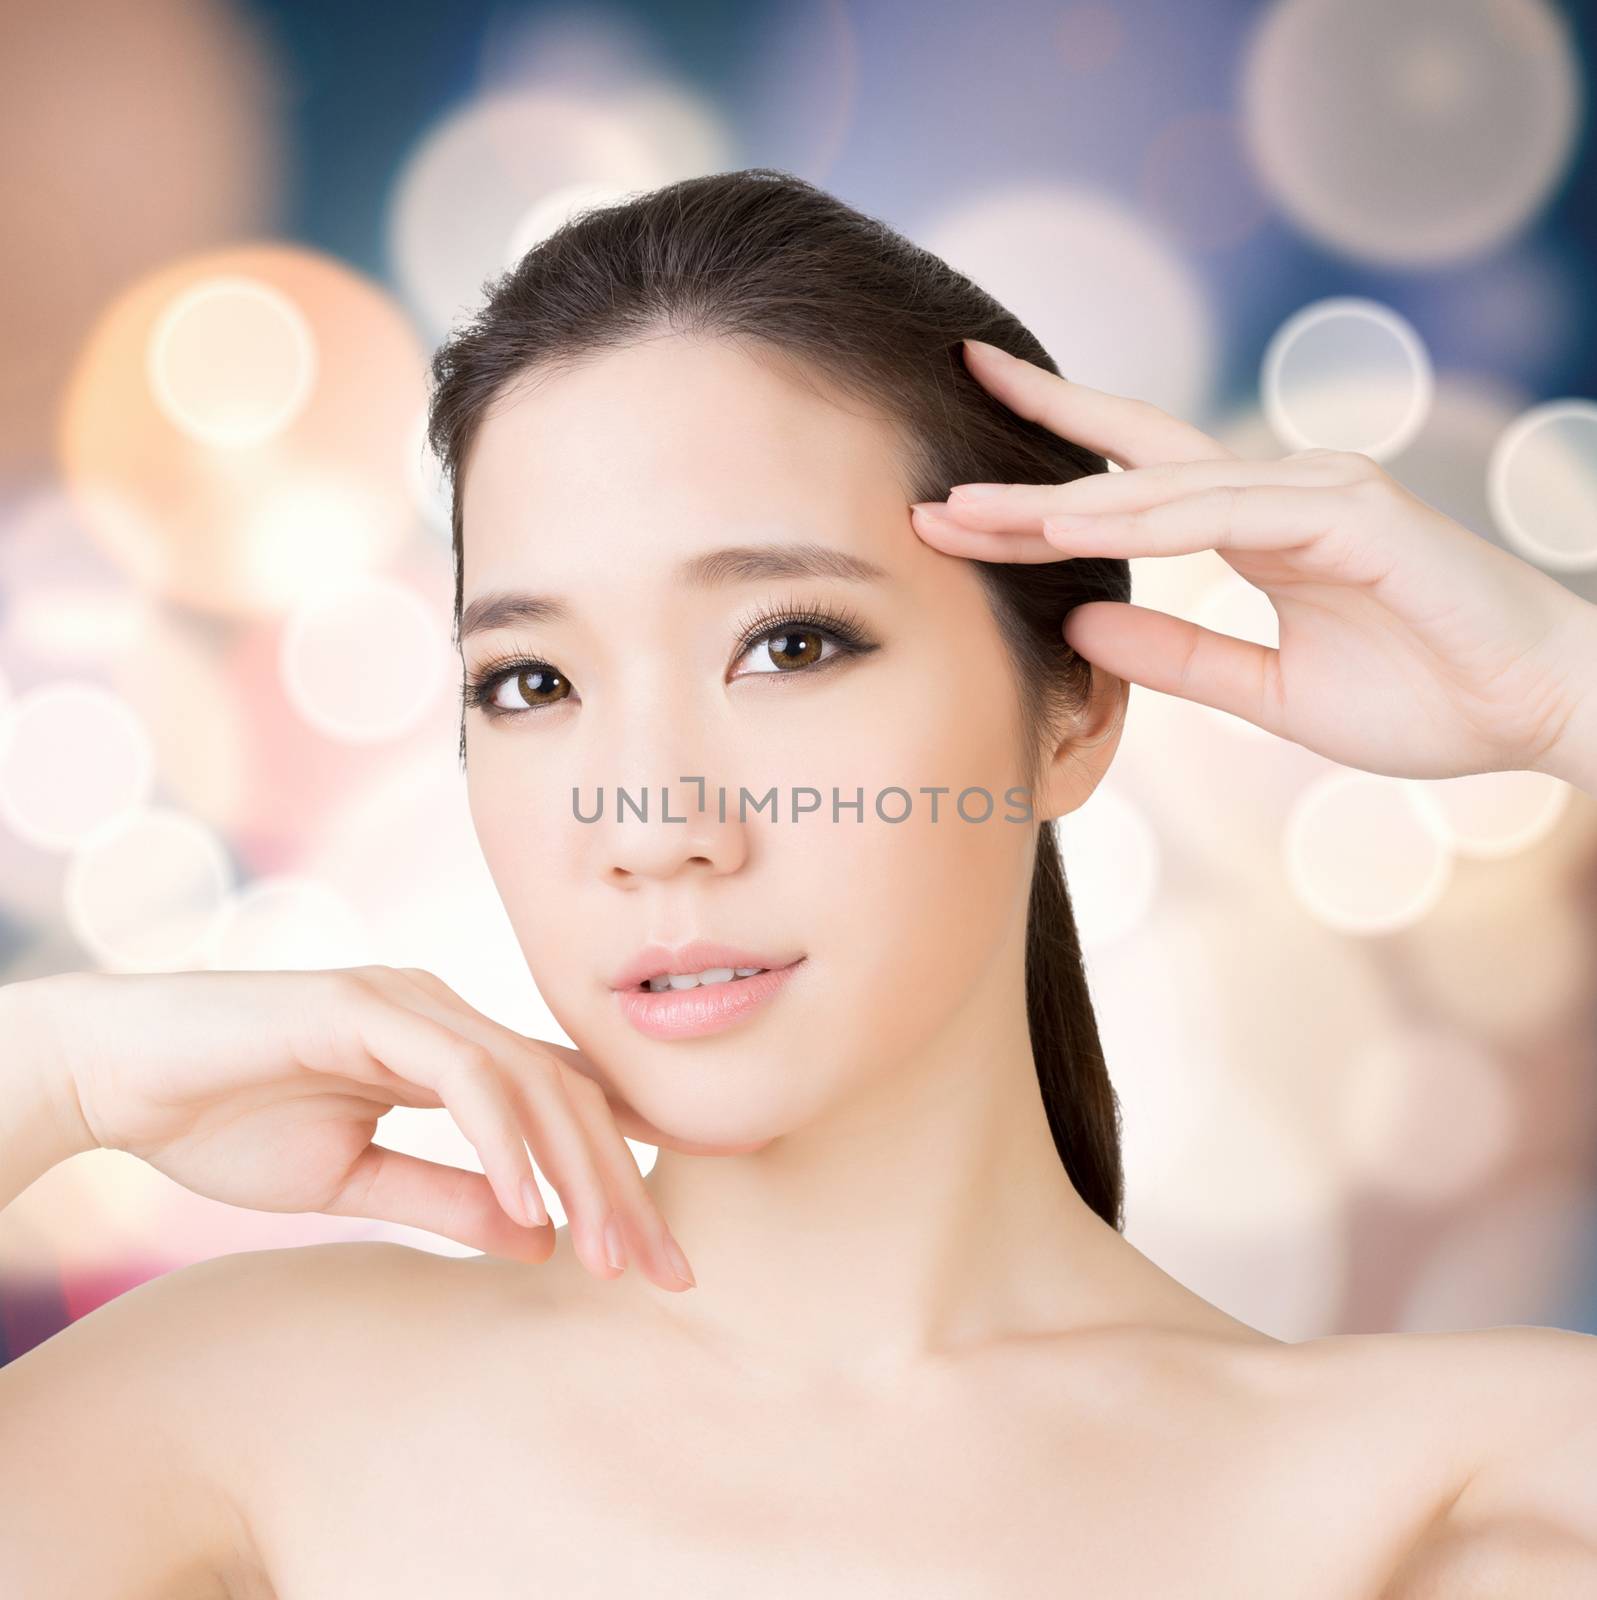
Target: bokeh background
[[1352, 1020]]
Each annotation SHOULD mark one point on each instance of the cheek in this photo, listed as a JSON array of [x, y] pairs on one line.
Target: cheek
[[904, 912], [920, 906], [529, 843]]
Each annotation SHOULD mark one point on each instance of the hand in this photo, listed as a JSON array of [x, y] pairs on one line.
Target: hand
[[1409, 645], [263, 1089]]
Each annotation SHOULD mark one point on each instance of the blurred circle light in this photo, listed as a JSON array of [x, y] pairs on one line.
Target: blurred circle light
[[508, 165], [231, 361], [1103, 289], [1347, 374], [1542, 482], [145, 892], [73, 757], [1493, 814], [1361, 855], [363, 662], [1411, 135], [283, 468]]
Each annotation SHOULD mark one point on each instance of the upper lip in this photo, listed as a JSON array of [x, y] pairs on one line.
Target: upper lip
[[699, 955]]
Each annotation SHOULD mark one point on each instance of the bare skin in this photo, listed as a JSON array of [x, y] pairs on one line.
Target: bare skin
[[915, 1361], [540, 1426], [370, 1419]]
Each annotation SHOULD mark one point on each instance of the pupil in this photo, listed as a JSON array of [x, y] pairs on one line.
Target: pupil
[[527, 678], [779, 645]]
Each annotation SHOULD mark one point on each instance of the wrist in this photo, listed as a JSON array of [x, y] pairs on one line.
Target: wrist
[[41, 1119], [1572, 754]]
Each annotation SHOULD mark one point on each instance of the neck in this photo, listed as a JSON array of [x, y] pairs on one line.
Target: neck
[[928, 1214]]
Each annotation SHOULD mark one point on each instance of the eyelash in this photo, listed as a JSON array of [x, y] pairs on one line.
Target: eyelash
[[841, 626]]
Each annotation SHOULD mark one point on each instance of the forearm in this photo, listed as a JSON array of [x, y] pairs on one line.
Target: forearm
[[40, 1121]]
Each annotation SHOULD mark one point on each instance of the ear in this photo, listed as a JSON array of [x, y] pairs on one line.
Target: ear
[[1087, 747]]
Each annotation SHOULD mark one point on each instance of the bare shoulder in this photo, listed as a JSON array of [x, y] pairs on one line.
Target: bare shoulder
[[313, 1316], [255, 1334], [155, 1413], [1525, 1521], [1502, 1425]]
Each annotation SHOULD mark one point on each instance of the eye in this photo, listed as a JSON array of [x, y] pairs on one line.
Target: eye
[[789, 643], [781, 643], [791, 649], [507, 688]]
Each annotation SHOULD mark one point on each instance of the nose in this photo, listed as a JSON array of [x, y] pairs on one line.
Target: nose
[[658, 830]]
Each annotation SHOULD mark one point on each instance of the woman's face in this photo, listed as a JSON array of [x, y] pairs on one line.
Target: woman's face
[[592, 488]]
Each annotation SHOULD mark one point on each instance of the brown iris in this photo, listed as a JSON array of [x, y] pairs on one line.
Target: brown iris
[[547, 680], [802, 656]]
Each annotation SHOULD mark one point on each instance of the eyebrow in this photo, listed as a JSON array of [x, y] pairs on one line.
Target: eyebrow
[[712, 569]]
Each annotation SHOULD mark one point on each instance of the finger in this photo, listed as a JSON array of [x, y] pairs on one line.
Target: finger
[[626, 1116], [1311, 523], [464, 1072], [1022, 506], [393, 1186], [543, 1109], [648, 1238], [960, 538], [1128, 432], [1180, 658]]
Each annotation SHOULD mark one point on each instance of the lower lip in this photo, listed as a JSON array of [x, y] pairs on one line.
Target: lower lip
[[688, 1013]]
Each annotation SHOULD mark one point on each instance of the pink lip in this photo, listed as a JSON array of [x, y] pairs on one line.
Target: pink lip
[[688, 1013]]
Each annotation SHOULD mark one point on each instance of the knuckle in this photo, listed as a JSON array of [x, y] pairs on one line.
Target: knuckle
[[469, 1059], [349, 985], [585, 1089], [1224, 497], [538, 1067], [1357, 466]]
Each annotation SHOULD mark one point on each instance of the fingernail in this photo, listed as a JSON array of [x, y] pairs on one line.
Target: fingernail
[[679, 1262], [976, 491], [982, 344], [532, 1204], [614, 1249]]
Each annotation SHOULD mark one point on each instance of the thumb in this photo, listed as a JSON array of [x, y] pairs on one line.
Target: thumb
[[1177, 657]]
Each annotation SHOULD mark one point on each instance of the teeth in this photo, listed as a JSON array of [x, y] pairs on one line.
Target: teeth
[[692, 980]]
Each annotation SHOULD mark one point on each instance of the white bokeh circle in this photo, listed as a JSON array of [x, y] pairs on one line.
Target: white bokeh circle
[[1541, 482], [73, 757], [362, 661], [231, 361], [145, 892], [1347, 373]]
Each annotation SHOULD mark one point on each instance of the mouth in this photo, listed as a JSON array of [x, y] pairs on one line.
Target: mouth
[[697, 980], [700, 963], [684, 1005]]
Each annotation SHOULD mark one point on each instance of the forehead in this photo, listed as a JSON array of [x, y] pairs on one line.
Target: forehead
[[680, 440]]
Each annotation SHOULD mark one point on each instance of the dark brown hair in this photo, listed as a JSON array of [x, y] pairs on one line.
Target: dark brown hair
[[767, 261]]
